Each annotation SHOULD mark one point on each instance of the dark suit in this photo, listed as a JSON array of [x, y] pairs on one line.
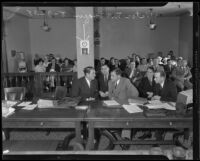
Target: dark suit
[[103, 84], [168, 92], [57, 68], [145, 86], [168, 70], [81, 88]]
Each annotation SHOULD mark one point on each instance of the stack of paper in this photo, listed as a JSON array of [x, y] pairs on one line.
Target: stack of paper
[[161, 106], [45, 103], [30, 107], [24, 103], [111, 103], [10, 103], [133, 108], [81, 107], [7, 111]]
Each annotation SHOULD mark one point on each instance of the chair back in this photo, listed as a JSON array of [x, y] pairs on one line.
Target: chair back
[[60, 92], [14, 93]]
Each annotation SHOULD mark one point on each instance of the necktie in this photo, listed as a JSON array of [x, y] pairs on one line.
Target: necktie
[[115, 85], [105, 79]]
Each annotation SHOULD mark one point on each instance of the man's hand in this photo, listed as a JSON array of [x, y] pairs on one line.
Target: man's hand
[[90, 99], [155, 98], [150, 94]]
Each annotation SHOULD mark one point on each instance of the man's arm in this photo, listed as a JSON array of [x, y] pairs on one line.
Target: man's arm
[[131, 89]]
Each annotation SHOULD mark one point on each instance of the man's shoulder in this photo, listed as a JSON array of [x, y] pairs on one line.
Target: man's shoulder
[[169, 83]]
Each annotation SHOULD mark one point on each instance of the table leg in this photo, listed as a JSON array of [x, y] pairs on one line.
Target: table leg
[[7, 134], [90, 142], [78, 132]]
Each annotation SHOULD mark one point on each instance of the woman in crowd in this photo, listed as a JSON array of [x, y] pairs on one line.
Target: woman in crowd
[[22, 66], [112, 65], [40, 67]]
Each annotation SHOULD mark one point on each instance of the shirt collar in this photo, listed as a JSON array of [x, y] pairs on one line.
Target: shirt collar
[[162, 84], [118, 81]]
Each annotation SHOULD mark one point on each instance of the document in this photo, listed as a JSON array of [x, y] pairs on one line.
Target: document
[[45, 103], [161, 106], [9, 103], [7, 111], [24, 103], [133, 108], [30, 107], [81, 107], [111, 103]]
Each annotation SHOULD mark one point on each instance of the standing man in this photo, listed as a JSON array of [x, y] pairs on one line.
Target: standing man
[[103, 79], [86, 87]]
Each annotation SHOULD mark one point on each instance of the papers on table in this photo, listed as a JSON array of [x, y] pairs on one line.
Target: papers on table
[[30, 107], [111, 103], [7, 111], [81, 107], [133, 108], [45, 103], [24, 103], [166, 106], [9, 103]]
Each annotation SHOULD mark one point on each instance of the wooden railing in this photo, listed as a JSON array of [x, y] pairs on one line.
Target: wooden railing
[[38, 83]]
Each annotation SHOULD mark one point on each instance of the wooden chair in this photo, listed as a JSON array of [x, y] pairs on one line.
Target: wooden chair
[[60, 92], [14, 93]]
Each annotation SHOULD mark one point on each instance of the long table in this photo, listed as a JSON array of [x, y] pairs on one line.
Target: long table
[[100, 116], [96, 116]]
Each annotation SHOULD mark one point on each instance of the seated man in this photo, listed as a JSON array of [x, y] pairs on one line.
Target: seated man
[[146, 89], [86, 87], [103, 79], [120, 88], [165, 90]]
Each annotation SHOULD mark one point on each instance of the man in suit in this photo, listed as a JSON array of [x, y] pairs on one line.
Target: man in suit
[[103, 79], [165, 90], [168, 69], [87, 86], [120, 88], [156, 65]]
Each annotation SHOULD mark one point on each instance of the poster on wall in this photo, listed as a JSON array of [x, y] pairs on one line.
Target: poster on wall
[[84, 47]]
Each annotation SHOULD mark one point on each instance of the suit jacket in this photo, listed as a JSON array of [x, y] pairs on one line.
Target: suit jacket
[[57, 67], [168, 92], [168, 70], [124, 90], [103, 85], [145, 87], [81, 88]]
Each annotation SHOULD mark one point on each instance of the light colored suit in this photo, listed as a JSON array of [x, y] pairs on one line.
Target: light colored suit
[[124, 90]]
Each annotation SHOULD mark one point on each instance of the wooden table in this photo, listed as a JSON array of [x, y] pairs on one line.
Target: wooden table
[[53, 118], [100, 116]]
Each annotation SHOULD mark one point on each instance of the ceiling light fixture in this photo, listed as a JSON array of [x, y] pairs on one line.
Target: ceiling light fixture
[[45, 25], [152, 24]]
